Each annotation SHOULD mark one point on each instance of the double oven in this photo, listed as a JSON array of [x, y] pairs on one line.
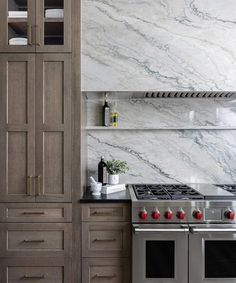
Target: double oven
[[185, 251]]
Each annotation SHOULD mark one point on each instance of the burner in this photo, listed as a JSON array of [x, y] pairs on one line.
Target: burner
[[165, 191], [228, 188]]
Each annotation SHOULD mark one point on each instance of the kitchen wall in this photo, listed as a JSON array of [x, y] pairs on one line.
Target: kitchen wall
[[166, 140], [180, 45]]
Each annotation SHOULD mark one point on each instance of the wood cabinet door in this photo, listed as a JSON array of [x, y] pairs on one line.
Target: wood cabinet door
[[53, 28], [15, 25], [17, 123], [53, 128], [32, 269]]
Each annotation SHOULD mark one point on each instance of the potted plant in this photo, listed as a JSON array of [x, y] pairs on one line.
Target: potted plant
[[114, 168]]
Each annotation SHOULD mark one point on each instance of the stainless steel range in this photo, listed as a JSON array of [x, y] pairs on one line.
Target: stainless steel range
[[184, 233]]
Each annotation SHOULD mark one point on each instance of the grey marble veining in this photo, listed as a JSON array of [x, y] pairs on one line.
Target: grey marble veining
[[168, 156], [178, 45], [155, 113]]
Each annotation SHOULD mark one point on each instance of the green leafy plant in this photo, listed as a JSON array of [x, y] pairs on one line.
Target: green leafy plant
[[115, 167]]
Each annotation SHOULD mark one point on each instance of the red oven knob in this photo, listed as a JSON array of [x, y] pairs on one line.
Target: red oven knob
[[229, 214], [143, 214], [197, 214], [181, 214], [168, 214], [156, 214]]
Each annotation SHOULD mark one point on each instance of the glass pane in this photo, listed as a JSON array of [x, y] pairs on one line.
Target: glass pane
[[220, 259], [160, 259], [17, 22], [53, 22]]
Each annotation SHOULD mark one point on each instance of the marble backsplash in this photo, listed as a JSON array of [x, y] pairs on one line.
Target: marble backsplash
[[144, 45], [162, 155]]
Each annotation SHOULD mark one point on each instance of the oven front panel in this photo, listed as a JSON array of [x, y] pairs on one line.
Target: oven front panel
[[160, 256], [212, 255]]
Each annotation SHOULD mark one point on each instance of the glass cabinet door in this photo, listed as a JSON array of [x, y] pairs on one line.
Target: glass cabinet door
[[53, 26], [17, 25]]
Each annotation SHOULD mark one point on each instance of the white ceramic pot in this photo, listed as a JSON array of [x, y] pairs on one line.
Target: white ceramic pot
[[113, 179]]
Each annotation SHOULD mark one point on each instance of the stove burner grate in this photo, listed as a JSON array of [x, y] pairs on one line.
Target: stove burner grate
[[165, 192]]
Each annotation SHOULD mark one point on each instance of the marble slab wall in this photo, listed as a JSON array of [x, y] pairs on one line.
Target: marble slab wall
[[157, 154], [173, 45]]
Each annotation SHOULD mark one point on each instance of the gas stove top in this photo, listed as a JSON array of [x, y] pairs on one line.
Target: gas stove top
[[165, 192], [228, 188], [184, 203]]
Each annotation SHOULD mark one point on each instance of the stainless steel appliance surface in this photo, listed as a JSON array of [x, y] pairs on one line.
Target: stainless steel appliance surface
[[183, 233]]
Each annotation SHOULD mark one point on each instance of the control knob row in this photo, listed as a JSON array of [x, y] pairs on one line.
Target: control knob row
[[156, 214]]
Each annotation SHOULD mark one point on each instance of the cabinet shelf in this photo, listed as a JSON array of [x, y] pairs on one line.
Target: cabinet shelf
[[54, 20], [17, 20], [101, 128]]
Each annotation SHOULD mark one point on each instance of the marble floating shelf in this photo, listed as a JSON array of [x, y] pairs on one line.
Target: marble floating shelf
[[101, 128]]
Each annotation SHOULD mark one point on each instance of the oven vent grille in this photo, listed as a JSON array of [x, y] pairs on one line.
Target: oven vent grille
[[203, 94]]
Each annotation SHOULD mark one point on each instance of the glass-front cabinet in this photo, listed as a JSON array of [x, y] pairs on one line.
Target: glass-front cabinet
[[35, 26]]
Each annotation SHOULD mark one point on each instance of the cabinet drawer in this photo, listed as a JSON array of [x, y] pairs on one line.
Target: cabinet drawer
[[36, 239], [105, 212], [32, 270], [106, 239], [106, 270], [36, 212]]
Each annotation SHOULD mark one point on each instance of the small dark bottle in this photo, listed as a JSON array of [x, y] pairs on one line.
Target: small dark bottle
[[106, 114], [102, 171]]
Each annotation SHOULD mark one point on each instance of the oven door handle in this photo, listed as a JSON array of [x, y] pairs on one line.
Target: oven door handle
[[209, 230], [158, 230]]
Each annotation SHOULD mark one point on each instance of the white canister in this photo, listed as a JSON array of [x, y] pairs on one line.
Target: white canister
[[113, 179]]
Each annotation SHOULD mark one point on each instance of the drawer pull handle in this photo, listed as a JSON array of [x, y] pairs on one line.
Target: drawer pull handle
[[39, 189], [33, 241], [29, 185], [105, 276], [100, 213], [104, 240], [33, 212], [33, 277]]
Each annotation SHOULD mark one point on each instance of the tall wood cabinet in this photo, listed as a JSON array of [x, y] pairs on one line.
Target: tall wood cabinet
[[35, 141], [35, 128]]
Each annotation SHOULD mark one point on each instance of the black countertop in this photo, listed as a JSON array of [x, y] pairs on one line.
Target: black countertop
[[123, 196]]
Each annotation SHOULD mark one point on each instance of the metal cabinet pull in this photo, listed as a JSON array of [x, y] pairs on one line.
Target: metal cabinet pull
[[136, 230], [104, 240], [33, 276], [38, 35], [102, 213], [29, 34], [105, 276], [209, 230], [38, 178], [34, 241], [29, 185], [33, 212]]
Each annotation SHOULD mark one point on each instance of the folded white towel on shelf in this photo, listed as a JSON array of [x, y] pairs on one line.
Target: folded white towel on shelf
[[18, 41], [54, 13], [17, 14]]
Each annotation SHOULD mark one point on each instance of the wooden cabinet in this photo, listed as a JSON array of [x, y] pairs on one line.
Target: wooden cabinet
[[30, 270], [35, 26], [106, 243], [105, 270], [35, 128]]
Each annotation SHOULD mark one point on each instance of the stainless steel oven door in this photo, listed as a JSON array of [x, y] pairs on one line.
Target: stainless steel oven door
[[160, 254], [212, 254]]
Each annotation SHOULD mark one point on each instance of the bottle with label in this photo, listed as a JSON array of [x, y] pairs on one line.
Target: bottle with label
[[114, 116], [102, 171], [106, 113]]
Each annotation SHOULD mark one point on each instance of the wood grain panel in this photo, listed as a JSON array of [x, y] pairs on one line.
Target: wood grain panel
[[17, 92], [31, 270], [53, 92], [37, 212], [53, 163], [105, 239], [106, 270], [108, 212], [17, 163]]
